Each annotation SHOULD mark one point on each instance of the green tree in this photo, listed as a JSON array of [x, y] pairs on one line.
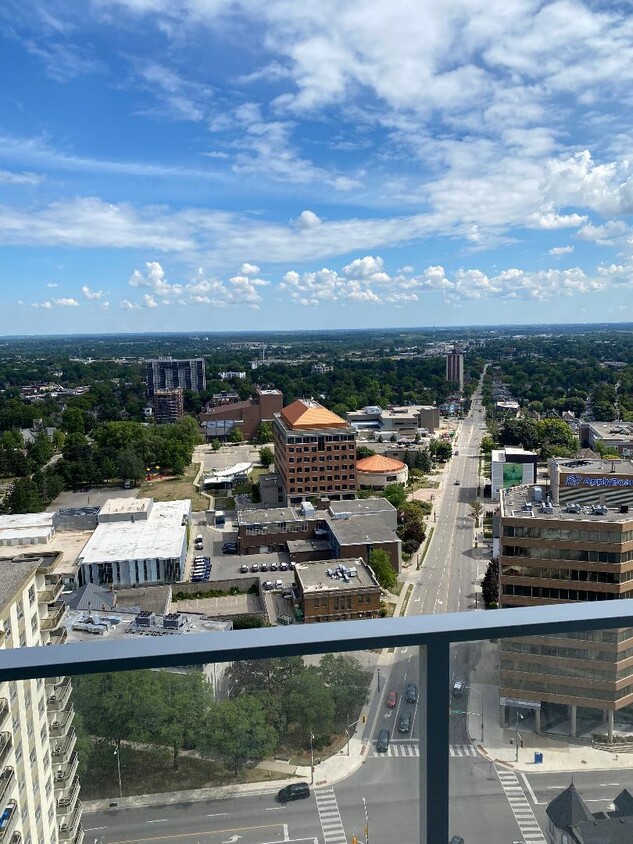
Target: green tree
[[239, 730], [23, 497], [263, 675], [395, 494], [41, 450], [423, 460], [266, 456], [441, 450], [393, 438], [236, 435], [380, 562], [363, 451], [487, 444], [490, 584], [476, 509], [264, 433], [308, 704], [74, 420], [130, 465], [216, 445], [349, 683]]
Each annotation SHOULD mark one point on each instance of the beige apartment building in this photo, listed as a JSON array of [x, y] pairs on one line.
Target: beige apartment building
[[39, 788], [551, 554]]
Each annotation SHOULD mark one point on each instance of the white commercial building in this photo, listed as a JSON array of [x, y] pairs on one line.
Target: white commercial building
[[137, 541], [511, 466], [26, 529]]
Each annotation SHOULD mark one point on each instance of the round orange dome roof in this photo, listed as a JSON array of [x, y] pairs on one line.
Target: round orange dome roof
[[379, 463]]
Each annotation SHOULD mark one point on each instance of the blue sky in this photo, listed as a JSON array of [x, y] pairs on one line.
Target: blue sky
[[172, 165]]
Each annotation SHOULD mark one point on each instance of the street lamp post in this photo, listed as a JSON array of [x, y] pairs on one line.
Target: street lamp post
[[517, 736], [117, 753], [311, 758]]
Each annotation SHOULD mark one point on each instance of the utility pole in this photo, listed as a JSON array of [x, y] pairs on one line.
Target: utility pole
[[117, 753], [311, 758], [517, 737], [366, 822], [378, 678]]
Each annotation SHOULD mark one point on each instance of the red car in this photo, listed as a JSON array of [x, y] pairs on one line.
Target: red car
[[392, 699]]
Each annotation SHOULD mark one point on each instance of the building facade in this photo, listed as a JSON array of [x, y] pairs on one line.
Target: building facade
[[455, 368], [315, 453], [168, 405], [553, 554], [39, 788], [591, 481], [378, 471], [167, 373], [218, 420], [337, 590], [511, 466]]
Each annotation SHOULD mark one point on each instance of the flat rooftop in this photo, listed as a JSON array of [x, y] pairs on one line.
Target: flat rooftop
[[127, 506], [314, 577], [274, 515], [121, 625], [362, 506], [613, 430], [159, 536], [300, 546], [26, 521], [594, 466], [515, 499], [362, 529]]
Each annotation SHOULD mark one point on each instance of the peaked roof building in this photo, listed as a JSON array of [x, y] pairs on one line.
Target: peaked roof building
[[571, 822]]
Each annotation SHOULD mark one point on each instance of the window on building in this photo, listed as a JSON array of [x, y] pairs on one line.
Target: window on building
[[32, 594]]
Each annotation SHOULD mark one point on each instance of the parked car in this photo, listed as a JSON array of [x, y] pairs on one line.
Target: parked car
[[294, 791], [456, 482], [274, 566], [289, 595], [392, 699], [267, 585], [283, 566], [411, 694], [458, 688], [456, 839], [243, 568], [263, 567], [382, 742], [255, 567], [229, 548], [404, 723]]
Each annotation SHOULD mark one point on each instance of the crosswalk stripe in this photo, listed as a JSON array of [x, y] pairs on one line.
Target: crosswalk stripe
[[521, 808], [409, 750], [330, 817]]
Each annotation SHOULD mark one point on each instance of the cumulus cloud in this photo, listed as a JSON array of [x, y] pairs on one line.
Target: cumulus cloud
[[557, 251], [551, 220], [91, 295], [66, 302]]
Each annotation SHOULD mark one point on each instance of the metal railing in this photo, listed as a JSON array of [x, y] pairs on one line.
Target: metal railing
[[433, 635], [55, 613], [6, 780]]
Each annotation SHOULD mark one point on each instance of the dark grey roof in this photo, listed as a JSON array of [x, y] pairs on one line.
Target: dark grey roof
[[90, 597], [604, 831], [361, 529], [568, 809], [624, 803]]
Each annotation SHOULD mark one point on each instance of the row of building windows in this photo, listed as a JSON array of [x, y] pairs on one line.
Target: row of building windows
[[321, 488], [568, 534], [586, 672], [559, 652], [580, 556], [278, 527], [546, 688], [316, 603], [309, 461], [327, 437], [558, 594], [310, 475], [567, 574]]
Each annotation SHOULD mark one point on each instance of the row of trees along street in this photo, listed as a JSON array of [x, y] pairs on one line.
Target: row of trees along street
[[273, 706]]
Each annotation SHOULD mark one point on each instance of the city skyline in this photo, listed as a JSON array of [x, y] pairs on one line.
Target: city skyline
[[195, 166]]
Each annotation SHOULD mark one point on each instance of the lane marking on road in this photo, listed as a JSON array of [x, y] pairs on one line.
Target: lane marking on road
[[195, 834], [529, 788], [218, 815], [330, 817], [158, 820], [521, 809]]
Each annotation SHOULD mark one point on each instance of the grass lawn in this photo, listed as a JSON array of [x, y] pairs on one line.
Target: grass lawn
[[176, 488], [147, 772], [256, 473]]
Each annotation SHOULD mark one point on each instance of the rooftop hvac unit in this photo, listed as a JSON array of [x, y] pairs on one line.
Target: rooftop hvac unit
[[145, 618], [537, 493], [174, 621], [624, 508]]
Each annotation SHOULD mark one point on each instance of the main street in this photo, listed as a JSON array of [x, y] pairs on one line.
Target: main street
[[387, 784]]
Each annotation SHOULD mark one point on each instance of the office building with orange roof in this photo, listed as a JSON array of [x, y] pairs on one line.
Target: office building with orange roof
[[315, 453]]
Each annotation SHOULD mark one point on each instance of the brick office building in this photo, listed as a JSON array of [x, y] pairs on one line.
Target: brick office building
[[315, 453], [219, 419], [337, 590], [168, 405], [551, 554]]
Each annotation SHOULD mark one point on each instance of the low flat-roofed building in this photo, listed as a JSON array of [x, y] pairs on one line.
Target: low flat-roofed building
[[149, 546], [335, 590], [552, 554], [591, 481], [405, 421], [120, 624], [303, 550], [271, 491], [511, 466], [26, 529], [614, 436], [351, 528]]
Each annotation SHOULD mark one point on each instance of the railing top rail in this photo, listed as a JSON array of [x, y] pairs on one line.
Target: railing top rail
[[333, 637]]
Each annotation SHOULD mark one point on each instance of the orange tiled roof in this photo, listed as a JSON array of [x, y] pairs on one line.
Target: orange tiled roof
[[379, 463], [310, 414]]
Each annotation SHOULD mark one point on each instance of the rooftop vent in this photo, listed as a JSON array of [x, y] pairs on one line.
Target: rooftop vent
[[624, 508]]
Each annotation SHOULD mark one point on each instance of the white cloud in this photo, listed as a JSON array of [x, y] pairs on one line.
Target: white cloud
[[249, 269], [178, 98], [551, 220], [52, 284], [608, 234], [126, 305], [149, 301], [7, 177], [307, 220], [91, 295], [47, 306], [557, 251], [66, 302]]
